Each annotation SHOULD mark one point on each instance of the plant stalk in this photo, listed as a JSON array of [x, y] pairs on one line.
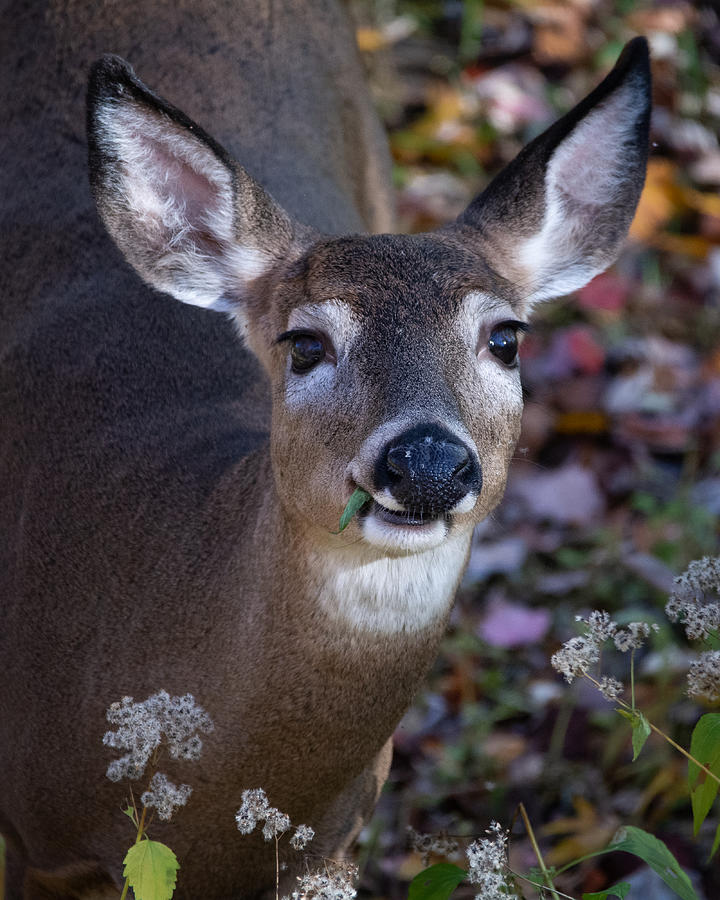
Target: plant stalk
[[138, 838], [538, 854], [277, 870], [663, 735]]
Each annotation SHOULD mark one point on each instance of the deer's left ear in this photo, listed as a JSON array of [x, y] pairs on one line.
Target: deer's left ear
[[557, 215]]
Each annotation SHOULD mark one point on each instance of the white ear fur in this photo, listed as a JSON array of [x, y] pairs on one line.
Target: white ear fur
[[557, 215], [170, 204], [584, 178]]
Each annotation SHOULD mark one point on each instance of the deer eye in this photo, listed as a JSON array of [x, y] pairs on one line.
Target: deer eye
[[306, 350], [503, 341]]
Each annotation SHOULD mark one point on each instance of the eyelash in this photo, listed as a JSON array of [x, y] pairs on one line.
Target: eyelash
[[498, 346], [513, 323], [295, 332]]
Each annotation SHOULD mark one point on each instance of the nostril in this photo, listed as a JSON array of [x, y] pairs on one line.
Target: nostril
[[397, 462], [458, 458]]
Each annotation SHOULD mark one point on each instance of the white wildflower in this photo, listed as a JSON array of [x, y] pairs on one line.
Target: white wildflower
[[575, 657], [255, 808], [334, 882], [689, 604], [303, 835], [426, 844], [143, 726], [610, 688], [488, 863], [632, 637], [276, 823], [700, 576], [704, 676], [599, 624], [165, 796]]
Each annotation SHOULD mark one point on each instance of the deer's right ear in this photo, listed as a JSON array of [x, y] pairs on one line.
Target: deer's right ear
[[557, 215], [188, 218]]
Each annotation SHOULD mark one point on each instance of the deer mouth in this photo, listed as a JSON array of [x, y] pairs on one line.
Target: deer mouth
[[409, 517], [402, 532]]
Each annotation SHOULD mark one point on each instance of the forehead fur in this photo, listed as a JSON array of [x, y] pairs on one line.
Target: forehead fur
[[413, 274]]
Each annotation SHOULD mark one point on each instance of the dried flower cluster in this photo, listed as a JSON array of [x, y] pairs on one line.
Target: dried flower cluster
[[303, 835], [633, 636], [143, 726], [704, 676], [575, 657], [610, 687], [600, 626], [579, 654], [689, 601], [165, 796], [695, 602], [426, 844], [488, 864], [334, 882], [255, 808]]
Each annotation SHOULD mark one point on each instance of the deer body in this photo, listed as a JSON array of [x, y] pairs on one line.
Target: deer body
[[170, 491]]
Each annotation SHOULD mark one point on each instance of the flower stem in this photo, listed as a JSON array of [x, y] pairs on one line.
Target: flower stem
[[538, 854], [277, 870], [663, 735], [138, 838]]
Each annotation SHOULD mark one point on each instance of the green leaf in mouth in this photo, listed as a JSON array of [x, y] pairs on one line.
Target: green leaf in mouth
[[357, 500]]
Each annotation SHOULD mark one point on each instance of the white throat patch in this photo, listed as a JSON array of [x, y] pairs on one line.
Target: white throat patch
[[391, 595]]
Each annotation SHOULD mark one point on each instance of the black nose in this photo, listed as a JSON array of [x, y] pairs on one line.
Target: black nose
[[428, 470]]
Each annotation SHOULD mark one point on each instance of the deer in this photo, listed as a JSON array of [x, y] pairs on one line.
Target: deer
[[204, 355]]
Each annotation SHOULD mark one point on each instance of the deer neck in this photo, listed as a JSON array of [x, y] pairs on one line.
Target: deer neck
[[341, 631], [354, 590]]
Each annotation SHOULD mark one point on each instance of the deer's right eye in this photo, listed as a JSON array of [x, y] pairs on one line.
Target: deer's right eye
[[306, 350]]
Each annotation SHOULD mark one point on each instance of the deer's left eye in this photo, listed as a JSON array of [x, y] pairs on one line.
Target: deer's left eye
[[503, 341]]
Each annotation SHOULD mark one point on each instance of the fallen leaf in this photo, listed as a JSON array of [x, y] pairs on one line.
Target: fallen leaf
[[568, 494], [507, 624]]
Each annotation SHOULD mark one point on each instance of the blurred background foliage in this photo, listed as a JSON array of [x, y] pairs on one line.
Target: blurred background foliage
[[616, 482]]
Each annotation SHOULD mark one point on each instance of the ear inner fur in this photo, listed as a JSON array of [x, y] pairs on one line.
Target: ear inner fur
[[186, 215], [538, 235]]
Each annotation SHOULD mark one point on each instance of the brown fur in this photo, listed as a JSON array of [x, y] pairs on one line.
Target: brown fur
[[153, 535]]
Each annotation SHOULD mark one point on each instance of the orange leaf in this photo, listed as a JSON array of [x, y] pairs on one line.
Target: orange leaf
[[660, 200]]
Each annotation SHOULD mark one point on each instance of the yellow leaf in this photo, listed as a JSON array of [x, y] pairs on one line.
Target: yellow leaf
[[369, 40], [659, 201], [688, 244], [703, 201], [586, 832]]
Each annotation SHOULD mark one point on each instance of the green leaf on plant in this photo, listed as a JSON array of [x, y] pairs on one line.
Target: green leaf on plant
[[151, 869], [130, 813], [357, 500], [705, 747], [617, 890], [436, 882], [640, 729], [654, 852], [716, 844]]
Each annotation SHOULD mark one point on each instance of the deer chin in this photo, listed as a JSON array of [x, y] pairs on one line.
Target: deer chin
[[402, 532]]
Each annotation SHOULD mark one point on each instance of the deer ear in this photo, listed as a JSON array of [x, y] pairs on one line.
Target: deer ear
[[557, 215], [187, 217]]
